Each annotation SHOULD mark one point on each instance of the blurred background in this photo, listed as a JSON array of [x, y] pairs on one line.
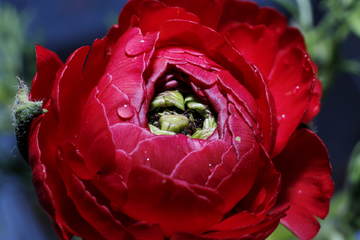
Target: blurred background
[[332, 32]]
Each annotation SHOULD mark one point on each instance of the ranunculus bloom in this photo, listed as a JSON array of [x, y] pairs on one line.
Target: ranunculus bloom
[[100, 173]]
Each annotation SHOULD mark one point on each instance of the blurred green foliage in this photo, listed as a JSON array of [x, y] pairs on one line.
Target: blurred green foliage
[[14, 50]]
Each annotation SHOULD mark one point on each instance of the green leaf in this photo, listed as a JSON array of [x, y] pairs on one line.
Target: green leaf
[[354, 19]]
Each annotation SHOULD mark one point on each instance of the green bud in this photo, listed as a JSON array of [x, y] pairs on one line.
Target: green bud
[[157, 131], [195, 103], [173, 123], [24, 110], [209, 122], [168, 99], [204, 133]]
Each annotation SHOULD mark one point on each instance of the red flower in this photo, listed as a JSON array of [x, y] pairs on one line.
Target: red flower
[[100, 173]]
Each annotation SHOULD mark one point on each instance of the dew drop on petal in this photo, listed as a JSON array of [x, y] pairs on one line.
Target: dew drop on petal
[[295, 90], [211, 168], [115, 206], [125, 111], [280, 118]]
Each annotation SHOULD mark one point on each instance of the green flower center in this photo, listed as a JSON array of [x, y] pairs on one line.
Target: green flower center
[[170, 113]]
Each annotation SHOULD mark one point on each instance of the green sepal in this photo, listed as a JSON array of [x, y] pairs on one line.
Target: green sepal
[[194, 103], [24, 112], [168, 99], [209, 122], [157, 131], [203, 133]]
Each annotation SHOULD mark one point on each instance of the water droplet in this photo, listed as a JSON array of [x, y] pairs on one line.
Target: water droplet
[[125, 111], [145, 151], [148, 159], [295, 90], [76, 136], [305, 55], [211, 168], [115, 206], [142, 40], [255, 70], [164, 181], [280, 118]]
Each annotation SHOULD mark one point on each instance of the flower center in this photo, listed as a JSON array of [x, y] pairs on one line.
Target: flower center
[[170, 113]]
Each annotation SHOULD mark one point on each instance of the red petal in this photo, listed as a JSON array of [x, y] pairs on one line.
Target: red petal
[[76, 161], [99, 217], [163, 153], [39, 175], [197, 166], [270, 17], [95, 138], [235, 186], [117, 105], [263, 194], [112, 186], [291, 38], [94, 68], [47, 64], [256, 229], [315, 103], [291, 83], [236, 12], [126, 71], [66, 95], [214, 46], [151, 14], [67, 218], [259, 229], [209, 11], [306, 183], [243, 101], [224, 169], [144, 231], [153, 197], [259, 45], [121, 131]]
